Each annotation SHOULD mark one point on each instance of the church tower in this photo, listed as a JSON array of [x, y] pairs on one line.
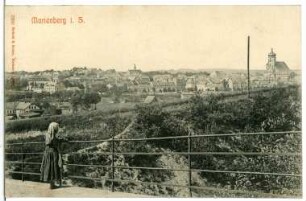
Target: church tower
[[271, 61]]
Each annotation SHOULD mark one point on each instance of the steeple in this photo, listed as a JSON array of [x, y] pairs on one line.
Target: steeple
[[272, 53], [271, 61]]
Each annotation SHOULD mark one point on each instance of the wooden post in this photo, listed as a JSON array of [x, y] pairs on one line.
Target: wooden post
[[189, 161], [22, 168], [248, 65], [62, 166], [74, 161], [113, 163], [95, 183]]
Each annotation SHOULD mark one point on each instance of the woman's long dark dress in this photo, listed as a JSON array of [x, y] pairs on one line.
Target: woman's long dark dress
[[51, 163]]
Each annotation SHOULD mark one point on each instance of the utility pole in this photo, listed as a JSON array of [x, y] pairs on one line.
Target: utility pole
[[248, 66]]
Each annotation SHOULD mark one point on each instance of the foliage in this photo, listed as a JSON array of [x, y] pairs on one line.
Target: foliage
[[90, 98], [80, 121], [278, 110], [16, 83], [153, 121]]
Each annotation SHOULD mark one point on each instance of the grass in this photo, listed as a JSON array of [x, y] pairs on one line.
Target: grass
[[107, 107]]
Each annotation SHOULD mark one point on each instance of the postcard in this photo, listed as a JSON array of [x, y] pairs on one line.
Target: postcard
[[153, 101]]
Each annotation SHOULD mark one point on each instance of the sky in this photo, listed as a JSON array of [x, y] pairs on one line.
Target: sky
[[152, 37]]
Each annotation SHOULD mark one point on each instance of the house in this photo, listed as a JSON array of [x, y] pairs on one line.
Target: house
[[212, 85], [150, 99], [134, 71], [230, 84], [111, 76], [74, 79], [41, 84], [55, 77], [163, 78], [10, 108], [122, 86], [74, 89], [144, 78], [187, 95], [218, 81], [65, 107], [61, 86], [236, 82], [22, 109], [109, 86], [50, 87], [181, 82], [190, 84], [162, 87], [79, 70], [201, 85], [164, 83], [140, 84], [37, 82]]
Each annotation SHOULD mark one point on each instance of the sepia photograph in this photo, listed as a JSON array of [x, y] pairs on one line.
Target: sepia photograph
[[153, 101]]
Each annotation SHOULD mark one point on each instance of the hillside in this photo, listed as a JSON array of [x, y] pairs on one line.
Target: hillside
[[279, 110]]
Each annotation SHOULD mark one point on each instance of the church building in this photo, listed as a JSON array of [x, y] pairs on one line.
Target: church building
[[278, 71]]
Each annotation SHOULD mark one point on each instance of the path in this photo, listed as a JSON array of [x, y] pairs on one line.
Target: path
[[18, 188]]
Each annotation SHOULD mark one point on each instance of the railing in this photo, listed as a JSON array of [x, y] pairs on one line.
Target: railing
[[188, 154]]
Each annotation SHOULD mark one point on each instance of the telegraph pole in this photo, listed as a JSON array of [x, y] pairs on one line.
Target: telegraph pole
[[248, 66]]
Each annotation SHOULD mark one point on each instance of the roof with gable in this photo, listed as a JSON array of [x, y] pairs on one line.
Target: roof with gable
[[10, 105], [65, 105], [17, 105], [164, 84], [281, 66], [39, 78], [150, 99], [22, 105], [217, 74]]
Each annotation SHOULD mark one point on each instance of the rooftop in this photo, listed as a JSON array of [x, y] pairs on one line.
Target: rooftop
[[281, 66], [150, 99]]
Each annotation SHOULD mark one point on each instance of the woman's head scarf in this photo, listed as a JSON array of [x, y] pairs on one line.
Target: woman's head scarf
[[52, 130]]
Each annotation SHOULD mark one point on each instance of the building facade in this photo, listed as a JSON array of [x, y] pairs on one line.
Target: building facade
[[278, 71]]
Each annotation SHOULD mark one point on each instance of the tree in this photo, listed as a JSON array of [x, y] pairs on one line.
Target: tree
[[95, 99], [91, 98], [99, 87], [277, 112], [153, 121], [75, 101], [16, 83], [67, 83]]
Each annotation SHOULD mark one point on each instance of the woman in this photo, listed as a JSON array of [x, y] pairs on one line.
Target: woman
[[51, 166]]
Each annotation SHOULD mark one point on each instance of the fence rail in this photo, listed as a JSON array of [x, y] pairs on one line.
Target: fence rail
[[188, 154]]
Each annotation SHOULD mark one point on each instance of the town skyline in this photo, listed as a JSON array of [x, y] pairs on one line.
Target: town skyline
[[154, 70], [155, 37]]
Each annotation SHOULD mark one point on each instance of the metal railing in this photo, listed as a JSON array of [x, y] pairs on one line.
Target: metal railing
[[187, 154]]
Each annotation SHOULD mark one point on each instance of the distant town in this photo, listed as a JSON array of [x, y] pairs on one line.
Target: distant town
[[50, 92]]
